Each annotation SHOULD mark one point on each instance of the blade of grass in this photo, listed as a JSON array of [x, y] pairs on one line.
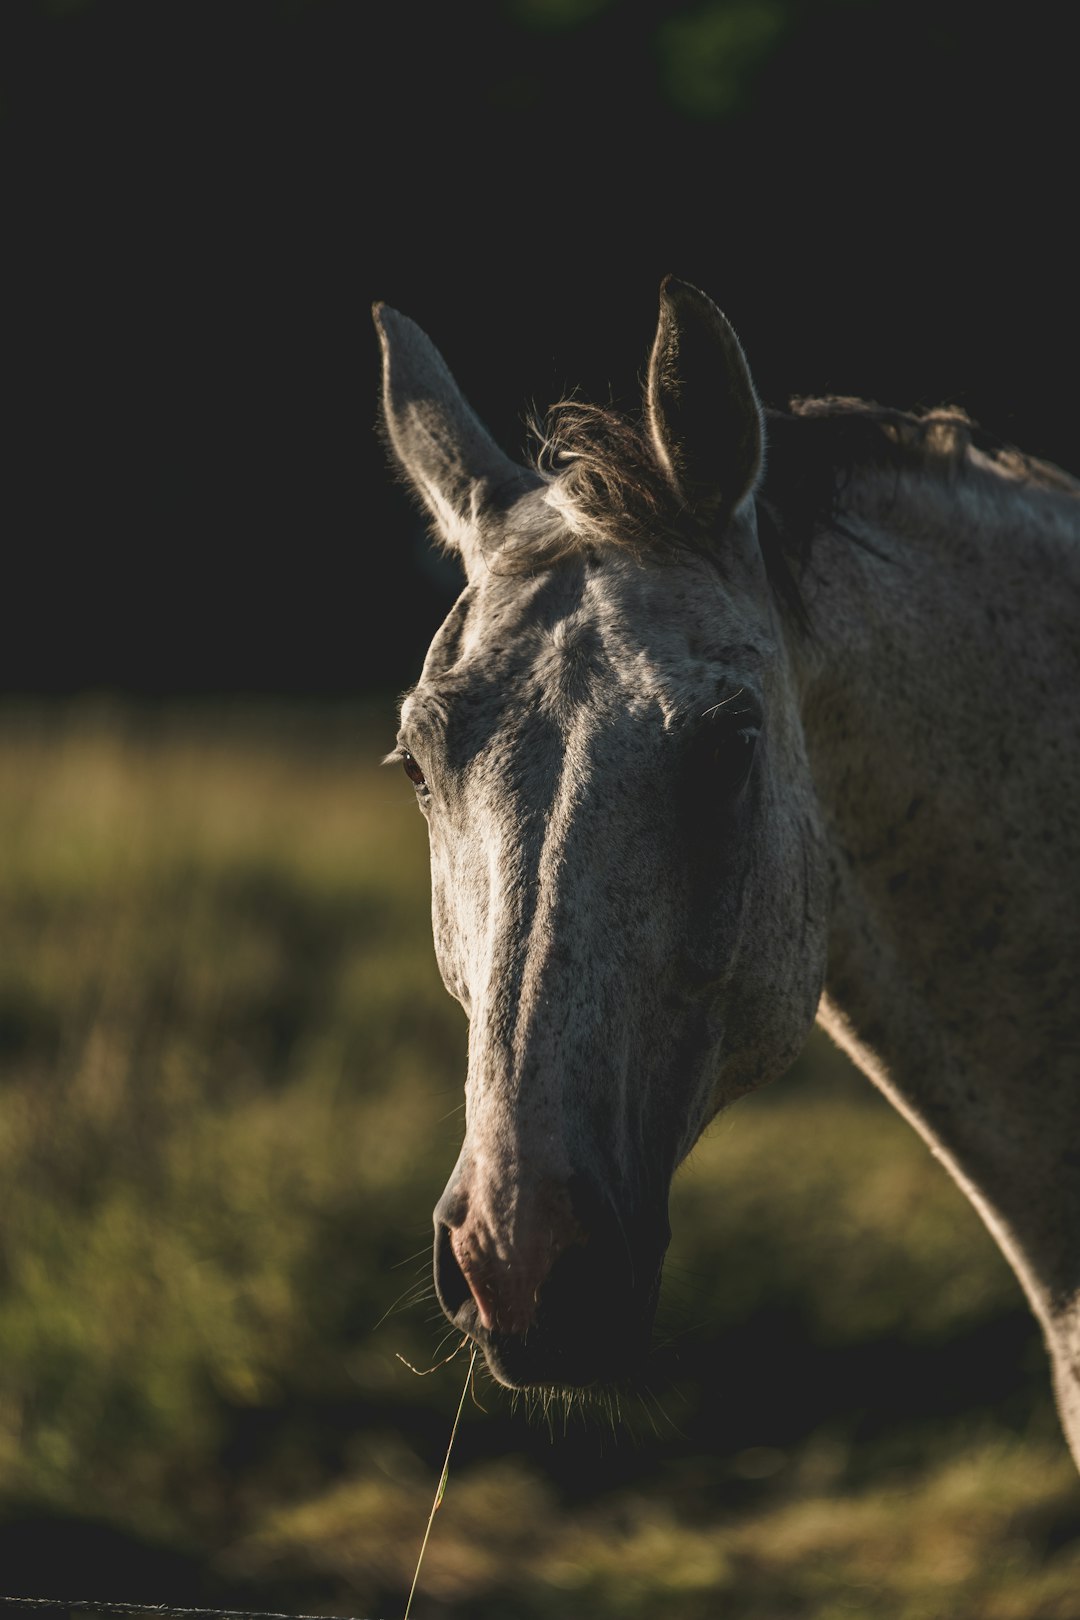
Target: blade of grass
[[440, 1493]]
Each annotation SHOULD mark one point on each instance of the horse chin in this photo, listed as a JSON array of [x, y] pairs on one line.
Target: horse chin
[[535, 1361]]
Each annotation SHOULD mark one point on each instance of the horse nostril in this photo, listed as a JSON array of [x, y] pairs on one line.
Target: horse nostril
[[450, 1284]]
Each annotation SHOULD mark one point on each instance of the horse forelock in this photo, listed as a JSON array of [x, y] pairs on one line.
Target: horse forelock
[[603, 471], [604, 488]]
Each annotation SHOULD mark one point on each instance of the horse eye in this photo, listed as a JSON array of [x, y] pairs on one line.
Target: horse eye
[[412, 769], [733, 754]]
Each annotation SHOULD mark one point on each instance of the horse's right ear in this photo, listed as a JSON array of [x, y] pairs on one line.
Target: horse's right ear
[[703, 414], [443, 448]]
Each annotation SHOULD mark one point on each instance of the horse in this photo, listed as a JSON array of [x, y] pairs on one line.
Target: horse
[[744, 719]]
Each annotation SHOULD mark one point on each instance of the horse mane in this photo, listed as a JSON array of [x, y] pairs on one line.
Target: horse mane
[[606, 487], [845, 436]]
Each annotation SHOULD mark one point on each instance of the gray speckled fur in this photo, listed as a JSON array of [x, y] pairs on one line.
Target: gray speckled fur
[[901, 864]]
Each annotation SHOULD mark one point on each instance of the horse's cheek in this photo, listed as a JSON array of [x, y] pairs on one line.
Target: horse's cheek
[[784, 947], [718, 873], [458, 906], [764, 932]]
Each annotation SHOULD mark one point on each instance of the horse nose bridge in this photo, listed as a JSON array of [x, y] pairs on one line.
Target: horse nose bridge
[[579, 914], [576, 967], [550, 1062], [557, 989]]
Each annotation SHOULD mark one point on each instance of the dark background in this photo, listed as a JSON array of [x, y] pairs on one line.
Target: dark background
[[201, 200]]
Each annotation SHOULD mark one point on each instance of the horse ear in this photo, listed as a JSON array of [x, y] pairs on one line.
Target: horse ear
[[703, 413], [443, 448]]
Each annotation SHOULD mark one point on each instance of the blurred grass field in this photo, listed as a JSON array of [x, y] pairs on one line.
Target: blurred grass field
[[230, 1089]]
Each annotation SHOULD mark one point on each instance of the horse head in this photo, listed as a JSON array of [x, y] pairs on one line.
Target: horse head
[[627, 878]]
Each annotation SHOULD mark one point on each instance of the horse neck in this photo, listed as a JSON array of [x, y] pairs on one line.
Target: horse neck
[[939, 698], [939, 683]]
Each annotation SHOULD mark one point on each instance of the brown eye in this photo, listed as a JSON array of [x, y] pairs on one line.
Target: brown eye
[[721, 754], [733, 755], [412, 769], [735, 752]]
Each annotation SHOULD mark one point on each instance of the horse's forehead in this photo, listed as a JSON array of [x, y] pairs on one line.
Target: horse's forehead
[[615, 624]]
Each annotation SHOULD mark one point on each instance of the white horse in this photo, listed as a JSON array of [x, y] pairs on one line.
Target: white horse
[[716, 741]]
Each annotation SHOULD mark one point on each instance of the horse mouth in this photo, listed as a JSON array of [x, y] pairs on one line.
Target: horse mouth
[[592, 1325]]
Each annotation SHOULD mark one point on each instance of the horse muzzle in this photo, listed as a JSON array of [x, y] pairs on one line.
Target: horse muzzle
[[547, 1280]]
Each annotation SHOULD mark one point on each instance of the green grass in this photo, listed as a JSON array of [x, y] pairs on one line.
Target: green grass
[[230, 1088]]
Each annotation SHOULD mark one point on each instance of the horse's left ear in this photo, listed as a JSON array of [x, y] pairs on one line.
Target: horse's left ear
[[703, 413]]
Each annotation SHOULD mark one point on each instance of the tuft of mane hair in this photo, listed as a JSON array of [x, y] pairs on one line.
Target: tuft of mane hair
[[606, 483], [861, 433]]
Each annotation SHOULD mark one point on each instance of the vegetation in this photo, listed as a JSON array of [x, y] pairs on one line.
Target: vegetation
[[229, 1096]]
